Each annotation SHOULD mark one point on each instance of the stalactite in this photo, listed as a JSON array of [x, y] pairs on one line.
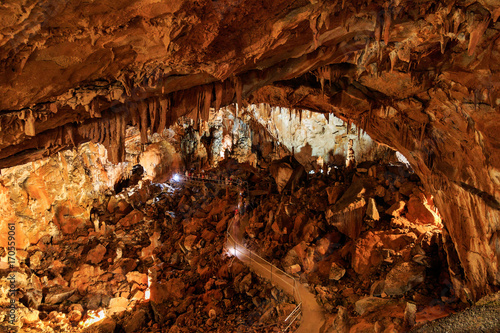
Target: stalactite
[[394, 56], [313, 25], [378, 28], [422, 132], [207, 101], [94, 109], [105, 133], [136, 120], [218, 95], [458, 18], [443, 41], [164, 110], [153, 113], [143, 113], [387, 25], [238, 86], [489, 92]]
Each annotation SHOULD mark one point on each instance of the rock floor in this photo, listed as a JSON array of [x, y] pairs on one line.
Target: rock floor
[[368, 245]]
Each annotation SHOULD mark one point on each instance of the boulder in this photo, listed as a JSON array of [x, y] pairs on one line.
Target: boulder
[[403, 277], [58, 294], [336, 272], [370, 304], [334, 193], [421, 210], [189, 242], [96, 255], [136, 322], [372, 211], [396, 209], [131, 218]]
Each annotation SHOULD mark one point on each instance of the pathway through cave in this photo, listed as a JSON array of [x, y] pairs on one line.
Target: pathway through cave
[[312, 314]]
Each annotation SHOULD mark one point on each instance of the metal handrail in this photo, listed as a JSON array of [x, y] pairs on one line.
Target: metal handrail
[[295, 313], [217, 181]]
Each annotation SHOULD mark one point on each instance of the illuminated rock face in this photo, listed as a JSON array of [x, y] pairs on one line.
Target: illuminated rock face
[[60, 192], [422, 79]]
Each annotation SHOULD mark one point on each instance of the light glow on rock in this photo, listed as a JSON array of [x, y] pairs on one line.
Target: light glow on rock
[[93, 317], [147, 294]]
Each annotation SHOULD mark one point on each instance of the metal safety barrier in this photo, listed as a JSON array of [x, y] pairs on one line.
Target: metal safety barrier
[[236, 248]]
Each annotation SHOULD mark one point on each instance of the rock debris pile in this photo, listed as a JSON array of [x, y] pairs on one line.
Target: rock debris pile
[[368, 241], [152, 258]]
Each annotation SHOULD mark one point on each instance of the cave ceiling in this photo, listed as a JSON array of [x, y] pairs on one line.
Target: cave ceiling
[[419, 76]]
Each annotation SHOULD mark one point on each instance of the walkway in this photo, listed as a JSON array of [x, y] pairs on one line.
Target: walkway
[[312, 314], [198, 181]]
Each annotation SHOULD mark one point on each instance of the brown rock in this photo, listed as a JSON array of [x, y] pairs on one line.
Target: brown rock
[[371, 210], [407, 188], [366, 256], [172, 289], [69, 217], [370, 304], [322, 246], [139, 278], [58, 295], [293, 269], [117, 305], [208, 235], [336, 272], [334, 193], [190, 242], [136, 322], [396, 209], [421, 211], [96, 255], [410, 314], [75, 316], [132, 218], [403, 277]]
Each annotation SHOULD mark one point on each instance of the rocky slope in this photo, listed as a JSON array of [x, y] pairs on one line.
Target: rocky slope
[[418, 76]]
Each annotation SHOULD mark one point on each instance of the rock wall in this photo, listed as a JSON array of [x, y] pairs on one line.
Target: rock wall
[[54, 196], [312, 135], [455, 155], [419, 76]]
